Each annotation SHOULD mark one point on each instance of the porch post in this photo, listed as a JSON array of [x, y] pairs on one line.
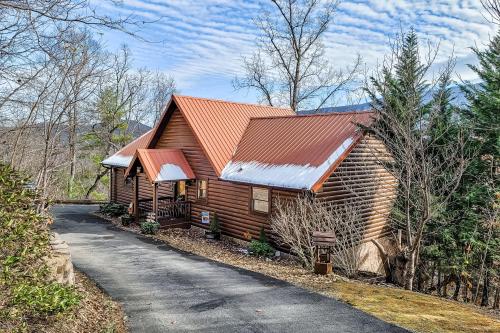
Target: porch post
[[155, 200], [111, 186], [136, 198]]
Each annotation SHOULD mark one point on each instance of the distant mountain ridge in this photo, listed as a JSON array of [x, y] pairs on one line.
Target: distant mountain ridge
[[458, 99]]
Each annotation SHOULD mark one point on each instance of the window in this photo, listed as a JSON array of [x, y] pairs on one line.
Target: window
[[260, 200], [202, 188]]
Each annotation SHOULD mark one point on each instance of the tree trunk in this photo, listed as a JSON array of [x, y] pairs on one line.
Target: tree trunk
[[72, 151], [458, 283], [410, 272], [96, 181], [431, 279], [439, 283], [486, 286], [496, 302], [465, 292]]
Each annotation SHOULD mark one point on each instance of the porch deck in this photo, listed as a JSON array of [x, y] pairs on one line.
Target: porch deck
[[170, 213]]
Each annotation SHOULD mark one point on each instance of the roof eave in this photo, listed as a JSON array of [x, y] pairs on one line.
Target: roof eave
[[264, 185], [318, 184]]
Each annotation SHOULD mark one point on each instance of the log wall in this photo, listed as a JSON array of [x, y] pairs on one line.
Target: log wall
[[123, 193], [361, 182], [230, 201]]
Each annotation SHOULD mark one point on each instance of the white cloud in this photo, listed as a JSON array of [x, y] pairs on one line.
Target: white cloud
[[206, 39]]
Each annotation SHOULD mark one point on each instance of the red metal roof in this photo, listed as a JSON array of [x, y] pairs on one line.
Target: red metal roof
[[297, 146], [219, 125], [123, 157], [163, 165]]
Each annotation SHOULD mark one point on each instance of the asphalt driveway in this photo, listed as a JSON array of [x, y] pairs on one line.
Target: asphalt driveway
[[166, 290]]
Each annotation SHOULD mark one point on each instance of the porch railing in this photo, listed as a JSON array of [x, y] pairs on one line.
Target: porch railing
[[167, 208]]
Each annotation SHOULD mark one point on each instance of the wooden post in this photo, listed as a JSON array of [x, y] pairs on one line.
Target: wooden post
[[111, 176], [136, 198], [155, 200]]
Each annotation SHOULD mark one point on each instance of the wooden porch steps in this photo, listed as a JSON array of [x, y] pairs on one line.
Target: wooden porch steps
[[170, 223]]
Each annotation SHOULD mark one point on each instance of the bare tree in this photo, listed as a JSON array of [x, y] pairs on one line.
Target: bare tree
[[126, 98], [160, 88], [493, 9], [52, 74], [295, 221], [290, 67]]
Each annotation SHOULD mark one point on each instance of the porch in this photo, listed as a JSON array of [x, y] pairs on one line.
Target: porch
[[170, 213], [162, 167]]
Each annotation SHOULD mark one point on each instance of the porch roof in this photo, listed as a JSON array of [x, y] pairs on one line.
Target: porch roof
[[123, 157], [162, 165]]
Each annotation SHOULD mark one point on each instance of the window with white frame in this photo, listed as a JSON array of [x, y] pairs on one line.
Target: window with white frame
[[260, 200]]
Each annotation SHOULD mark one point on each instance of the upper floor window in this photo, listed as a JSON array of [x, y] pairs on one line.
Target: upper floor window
[[202, 186], [260, 200]]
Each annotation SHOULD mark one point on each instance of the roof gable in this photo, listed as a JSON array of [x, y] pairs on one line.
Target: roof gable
[[162, 165], [296, 152], [217, 125]]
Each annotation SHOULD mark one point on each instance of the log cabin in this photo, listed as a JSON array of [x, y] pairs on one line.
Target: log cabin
[[209, 156]]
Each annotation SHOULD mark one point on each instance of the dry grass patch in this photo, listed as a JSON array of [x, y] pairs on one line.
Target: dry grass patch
[[415, 311]]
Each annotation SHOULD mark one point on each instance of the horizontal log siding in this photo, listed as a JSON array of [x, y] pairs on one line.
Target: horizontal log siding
[[360, 180], [121, 192], [230, 201]]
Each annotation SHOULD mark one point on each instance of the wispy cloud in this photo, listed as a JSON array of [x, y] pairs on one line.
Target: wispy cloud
[[201, 43]]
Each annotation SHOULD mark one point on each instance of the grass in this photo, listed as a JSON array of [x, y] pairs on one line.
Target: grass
[[414, 311]]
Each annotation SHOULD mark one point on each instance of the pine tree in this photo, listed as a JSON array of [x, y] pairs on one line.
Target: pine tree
[[414, 123], [478, 197]]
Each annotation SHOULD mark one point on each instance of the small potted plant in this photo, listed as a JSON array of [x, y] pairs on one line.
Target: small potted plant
[[214, 228], [126, 219]]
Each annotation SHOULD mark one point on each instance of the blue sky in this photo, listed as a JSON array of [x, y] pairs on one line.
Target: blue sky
[[201, 42]]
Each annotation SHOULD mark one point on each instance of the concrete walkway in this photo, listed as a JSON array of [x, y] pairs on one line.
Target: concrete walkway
[[166, 290]]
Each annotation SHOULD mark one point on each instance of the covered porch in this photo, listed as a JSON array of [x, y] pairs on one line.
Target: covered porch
[[167, 172]]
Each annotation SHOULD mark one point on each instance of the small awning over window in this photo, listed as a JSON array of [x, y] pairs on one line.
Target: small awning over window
[[161, 165]]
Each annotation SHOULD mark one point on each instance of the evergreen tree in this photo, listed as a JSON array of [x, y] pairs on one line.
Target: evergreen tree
[[478, 198], [413, 120]]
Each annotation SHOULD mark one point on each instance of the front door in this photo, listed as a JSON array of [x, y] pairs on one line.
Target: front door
[[180, 190]]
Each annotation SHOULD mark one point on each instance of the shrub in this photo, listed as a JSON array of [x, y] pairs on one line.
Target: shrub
[[296, 220], [25, 289], [150, 228], [262, 235], [40, 299], [126, 219], [261, 249], [24, 234], [214, 224], [113, 209]]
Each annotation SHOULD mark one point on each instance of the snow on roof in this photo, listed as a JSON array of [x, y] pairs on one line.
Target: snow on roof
[[118, 160], [170, 172], [123, 157], [302, 177], [162, 165], [294, 151]]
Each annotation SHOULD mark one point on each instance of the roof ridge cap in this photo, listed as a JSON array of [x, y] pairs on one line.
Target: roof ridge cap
[[232, 102], [325, 114]]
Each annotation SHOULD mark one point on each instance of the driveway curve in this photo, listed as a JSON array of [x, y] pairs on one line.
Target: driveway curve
[[166, 290]]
